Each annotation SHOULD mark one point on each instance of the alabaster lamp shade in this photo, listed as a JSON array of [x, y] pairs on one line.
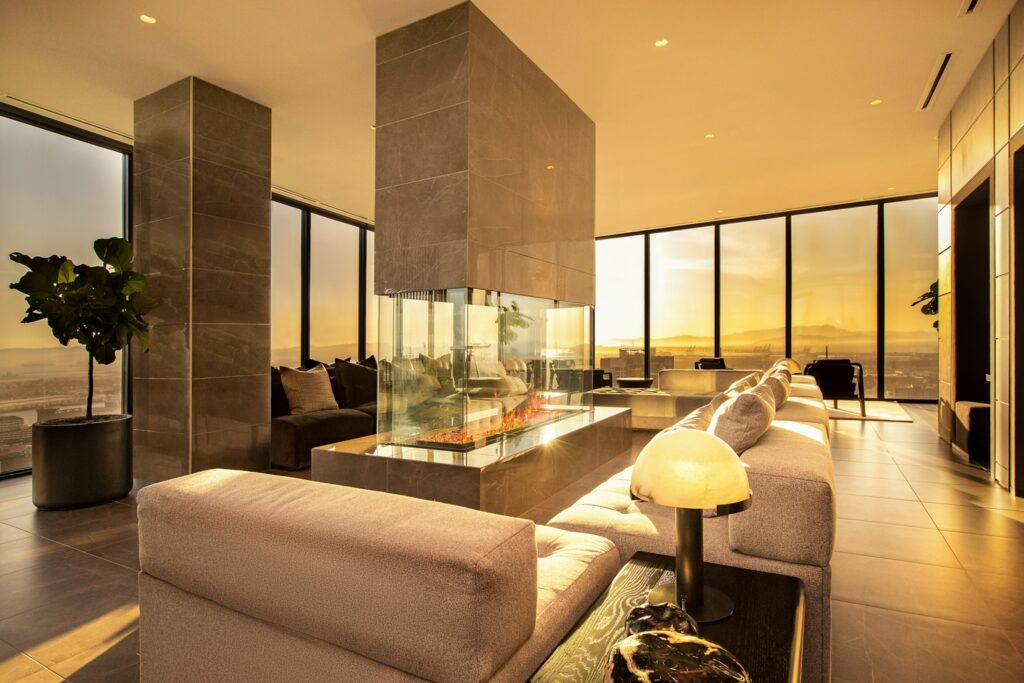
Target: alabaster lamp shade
[[691, 471], [688, 468]]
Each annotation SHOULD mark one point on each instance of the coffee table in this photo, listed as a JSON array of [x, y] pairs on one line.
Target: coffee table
[[765, 633]]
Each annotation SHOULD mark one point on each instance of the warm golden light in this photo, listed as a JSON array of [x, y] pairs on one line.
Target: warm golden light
[[661, 42], [550, 167], [146, 19], [708, 136], [875, 102]]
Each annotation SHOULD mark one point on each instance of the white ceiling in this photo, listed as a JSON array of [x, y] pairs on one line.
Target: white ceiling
[[784, 87]]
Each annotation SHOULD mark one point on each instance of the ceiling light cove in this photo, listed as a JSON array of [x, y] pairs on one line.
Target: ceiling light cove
[[875, 102], [661, 42], [147, 19]]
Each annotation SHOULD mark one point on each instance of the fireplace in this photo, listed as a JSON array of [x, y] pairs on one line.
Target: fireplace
[[464, 368]]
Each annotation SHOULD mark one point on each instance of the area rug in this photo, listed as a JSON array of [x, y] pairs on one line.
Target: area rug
[[879, 411]]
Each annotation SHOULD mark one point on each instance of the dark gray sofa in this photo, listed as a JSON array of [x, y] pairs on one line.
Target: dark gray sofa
[[292, 437]]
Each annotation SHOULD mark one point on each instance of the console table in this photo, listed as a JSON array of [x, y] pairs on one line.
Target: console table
[[765, 633]]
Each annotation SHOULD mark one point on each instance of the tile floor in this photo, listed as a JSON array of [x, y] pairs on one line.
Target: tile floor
[[925, 585]]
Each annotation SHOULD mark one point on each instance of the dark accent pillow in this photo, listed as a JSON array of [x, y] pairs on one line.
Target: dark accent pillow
[[278, 399], [369, 362], [360, 382]]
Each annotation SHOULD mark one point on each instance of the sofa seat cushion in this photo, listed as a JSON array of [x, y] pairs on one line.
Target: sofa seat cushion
[[292, 437], [368, 408], [439, 591], [572, 571], [800, 390], [803, 409]]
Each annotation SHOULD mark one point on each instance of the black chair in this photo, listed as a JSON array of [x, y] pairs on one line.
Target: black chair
[[839, 379], [710, 364], [602, 379]]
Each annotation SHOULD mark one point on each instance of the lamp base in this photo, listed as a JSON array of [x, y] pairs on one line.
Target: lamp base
[[716, 607]]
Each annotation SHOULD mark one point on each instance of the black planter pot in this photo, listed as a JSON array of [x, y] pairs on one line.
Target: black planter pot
[[77, 463]]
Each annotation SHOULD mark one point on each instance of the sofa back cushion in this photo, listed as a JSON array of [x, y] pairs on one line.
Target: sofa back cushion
[[308, 390], [358, 381], [742, 419], [439, 591]]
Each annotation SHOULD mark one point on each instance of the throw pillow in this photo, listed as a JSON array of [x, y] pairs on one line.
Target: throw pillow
[[742, 420], [719, 400], [308, 390], [359, 381], [698, 419], [779, 388]]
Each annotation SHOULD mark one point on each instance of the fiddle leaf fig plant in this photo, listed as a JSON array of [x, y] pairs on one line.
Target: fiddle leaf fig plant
[[509, 318], [930, 302], [100, 307]]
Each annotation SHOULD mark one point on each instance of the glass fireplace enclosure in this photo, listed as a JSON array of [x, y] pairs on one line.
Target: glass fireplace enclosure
[[463, 368]]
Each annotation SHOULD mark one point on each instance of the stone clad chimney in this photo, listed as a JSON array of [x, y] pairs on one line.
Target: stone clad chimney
[[485, 168]]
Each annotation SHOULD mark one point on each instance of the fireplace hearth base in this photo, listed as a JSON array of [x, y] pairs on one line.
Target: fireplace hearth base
[[506, 478]]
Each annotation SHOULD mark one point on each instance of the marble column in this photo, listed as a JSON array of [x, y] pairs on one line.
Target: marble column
[[201, 214]]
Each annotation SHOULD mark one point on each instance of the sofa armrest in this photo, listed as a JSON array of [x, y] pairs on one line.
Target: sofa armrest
[[792, 517]]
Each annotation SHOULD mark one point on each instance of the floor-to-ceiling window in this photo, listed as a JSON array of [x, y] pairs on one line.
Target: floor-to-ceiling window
[[619, 326], [333, 289], [57, 195], [316, 282], [682, 297], [753, 292], [911, 339], [836, 281], [285, 284], [835, 288]]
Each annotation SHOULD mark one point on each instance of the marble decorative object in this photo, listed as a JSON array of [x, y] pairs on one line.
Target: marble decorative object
[[662, 616], [670, 657]]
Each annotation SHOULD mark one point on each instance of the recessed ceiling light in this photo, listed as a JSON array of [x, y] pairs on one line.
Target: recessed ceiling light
[[661, 42], [721, 211], [550, 167], [373, 126], [146, 19], [890, 189], [708, 136], [875, 102]]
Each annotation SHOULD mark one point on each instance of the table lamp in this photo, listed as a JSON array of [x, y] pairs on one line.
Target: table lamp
[[691, 470]]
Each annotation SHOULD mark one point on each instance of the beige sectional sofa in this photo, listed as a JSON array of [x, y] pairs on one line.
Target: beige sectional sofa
[[789, 528], [250, 576]]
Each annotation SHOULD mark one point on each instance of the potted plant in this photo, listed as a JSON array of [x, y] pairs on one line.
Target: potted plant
[[930, 299], [85, 460]]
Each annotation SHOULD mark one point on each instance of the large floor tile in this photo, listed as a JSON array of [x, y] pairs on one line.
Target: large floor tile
[[879, 488], [861, 455], [949, 474], [20, 668], [10, 533], [15, 487], [884, 510], [925, 589], [992, 554], [871, 645], [877, 470], [977, 520], [967, 494], [905, 432], [1005, 599], [73, 634], [15, 507], [907, 543]]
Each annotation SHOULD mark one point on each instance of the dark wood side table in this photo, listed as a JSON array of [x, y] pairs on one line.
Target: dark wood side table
[[765, 633]]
